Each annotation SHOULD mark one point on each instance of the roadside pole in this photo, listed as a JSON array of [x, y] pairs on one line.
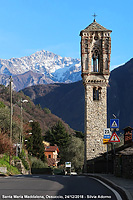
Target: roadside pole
[[11, 109], [107, 160], [114, 125], [10, 118], [106, 137], [21, 127]]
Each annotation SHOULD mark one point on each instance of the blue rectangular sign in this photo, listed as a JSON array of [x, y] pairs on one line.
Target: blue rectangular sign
[[106, 136], [114, 123]]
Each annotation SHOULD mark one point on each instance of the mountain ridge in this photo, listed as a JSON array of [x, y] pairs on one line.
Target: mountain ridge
[[51, 67], [67, 100]]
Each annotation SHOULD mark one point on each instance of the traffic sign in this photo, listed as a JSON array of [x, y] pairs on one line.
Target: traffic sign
[[114, 123], [107, 133], [67, 164], [105, 141], [114, 138], [106, 137]]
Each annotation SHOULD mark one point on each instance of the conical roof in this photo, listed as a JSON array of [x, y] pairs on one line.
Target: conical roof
[[95, 27]]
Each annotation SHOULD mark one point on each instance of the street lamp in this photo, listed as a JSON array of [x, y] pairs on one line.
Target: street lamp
[[30, 121], [114, 116], [21, 131]]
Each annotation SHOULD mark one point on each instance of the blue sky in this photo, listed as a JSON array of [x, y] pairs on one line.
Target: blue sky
[[27, 26]]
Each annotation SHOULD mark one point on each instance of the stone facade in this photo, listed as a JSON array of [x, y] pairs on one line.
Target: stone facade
[[95, 61]]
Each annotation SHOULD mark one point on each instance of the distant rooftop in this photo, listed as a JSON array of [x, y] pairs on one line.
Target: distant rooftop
[[51, 149]]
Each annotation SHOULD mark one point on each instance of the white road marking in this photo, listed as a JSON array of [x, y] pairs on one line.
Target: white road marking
[[19, 177], [114, 191]]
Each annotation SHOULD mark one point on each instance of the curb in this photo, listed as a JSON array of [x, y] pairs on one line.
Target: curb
[[122, 191]]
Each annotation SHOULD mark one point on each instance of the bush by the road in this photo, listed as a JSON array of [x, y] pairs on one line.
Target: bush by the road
[[37, 163]]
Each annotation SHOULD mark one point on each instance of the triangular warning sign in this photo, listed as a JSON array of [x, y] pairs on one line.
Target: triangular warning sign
[[114, 138], [114, 124]]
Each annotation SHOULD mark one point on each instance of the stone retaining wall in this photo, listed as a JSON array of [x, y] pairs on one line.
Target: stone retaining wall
[[3, 170]]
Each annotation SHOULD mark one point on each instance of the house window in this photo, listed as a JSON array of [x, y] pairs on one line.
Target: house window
[[49, 156], [96, 93]]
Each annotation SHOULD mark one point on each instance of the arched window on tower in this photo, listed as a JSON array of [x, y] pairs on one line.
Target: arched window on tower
[[95, 61], [86, 64], [106, 63], [86, 61], [96, 93]]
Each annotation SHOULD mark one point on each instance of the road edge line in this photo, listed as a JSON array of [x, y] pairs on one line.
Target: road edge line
[[122, 191]]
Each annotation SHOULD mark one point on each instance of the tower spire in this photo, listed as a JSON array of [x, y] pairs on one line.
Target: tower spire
[[94, 17]]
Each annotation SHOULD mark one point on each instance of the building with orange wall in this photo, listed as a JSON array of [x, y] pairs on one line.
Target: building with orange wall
[[51, 152]]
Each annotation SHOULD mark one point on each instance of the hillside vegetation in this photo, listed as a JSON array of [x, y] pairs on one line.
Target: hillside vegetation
[[30, 111], [43, 125]]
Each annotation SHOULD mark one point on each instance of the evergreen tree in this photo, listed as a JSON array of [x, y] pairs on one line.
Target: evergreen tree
[[58, 135], [35, 142], [79, 134]]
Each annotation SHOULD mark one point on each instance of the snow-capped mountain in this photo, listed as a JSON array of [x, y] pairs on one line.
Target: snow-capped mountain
[[51, 67]]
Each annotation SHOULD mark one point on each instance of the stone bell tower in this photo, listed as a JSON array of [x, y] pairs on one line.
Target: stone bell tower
[[95, 62]]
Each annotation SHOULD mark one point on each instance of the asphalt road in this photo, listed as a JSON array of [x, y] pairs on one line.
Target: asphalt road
[[54, 187]]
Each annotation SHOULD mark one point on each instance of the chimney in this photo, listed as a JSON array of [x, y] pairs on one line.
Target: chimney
[[128, 136]]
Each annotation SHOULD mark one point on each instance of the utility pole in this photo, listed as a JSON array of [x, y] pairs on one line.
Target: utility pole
[[10, 116], [21, 125], [11, 108]]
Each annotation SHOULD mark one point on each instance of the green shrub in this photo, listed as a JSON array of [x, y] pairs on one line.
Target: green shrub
[[47, 110], [2, 105], [58, 171], [37, 163]]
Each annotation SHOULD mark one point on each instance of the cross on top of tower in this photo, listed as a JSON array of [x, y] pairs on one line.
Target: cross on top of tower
[[94, 17]]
